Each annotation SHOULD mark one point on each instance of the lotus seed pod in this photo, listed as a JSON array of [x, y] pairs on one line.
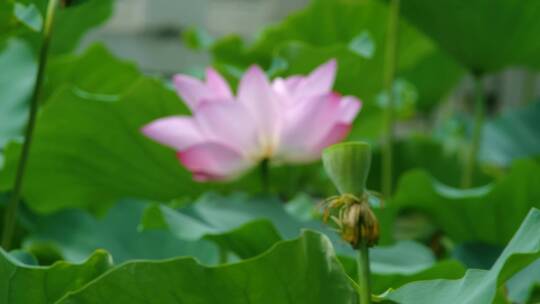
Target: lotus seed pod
[[348, 164]]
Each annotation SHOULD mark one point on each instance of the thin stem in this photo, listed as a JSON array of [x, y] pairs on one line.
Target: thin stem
[[389, 75], [479, 109], [11, 209], [364, 282], [265, 175]]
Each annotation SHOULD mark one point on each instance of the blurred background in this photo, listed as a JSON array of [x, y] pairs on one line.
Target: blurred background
[[149, 33]]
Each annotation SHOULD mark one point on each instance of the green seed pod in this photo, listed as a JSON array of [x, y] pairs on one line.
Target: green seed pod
[[348, 164]]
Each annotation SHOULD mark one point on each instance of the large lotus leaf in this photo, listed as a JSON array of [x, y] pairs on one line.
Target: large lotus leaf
[[487, 214], [87, 72], [479, 286], [247, 240], [23, 284], [303, 270], [20, 67], [514, 134], [521, 286], [245, 226], [446, 269], [16, 83], [90, 146], [219, 217], [484, 35], [76, 234]]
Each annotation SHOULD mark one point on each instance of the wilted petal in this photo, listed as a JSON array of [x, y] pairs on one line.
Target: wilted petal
[[213, 161], [262, 102], [178, 132], [229, 122], [217, 84]]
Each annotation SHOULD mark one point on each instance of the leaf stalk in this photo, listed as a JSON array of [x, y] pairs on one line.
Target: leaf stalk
[[479, 116], [390, 63], [11, 209], [364, 281]]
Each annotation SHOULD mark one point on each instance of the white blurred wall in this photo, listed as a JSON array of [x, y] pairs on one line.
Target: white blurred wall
[[148, 31]]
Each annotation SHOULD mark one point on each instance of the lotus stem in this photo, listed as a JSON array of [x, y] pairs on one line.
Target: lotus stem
[[479, 113], [389, 75], [364, 281], [11, 209]]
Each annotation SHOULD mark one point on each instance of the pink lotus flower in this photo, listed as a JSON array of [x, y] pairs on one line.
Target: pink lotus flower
[[290, 120]]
